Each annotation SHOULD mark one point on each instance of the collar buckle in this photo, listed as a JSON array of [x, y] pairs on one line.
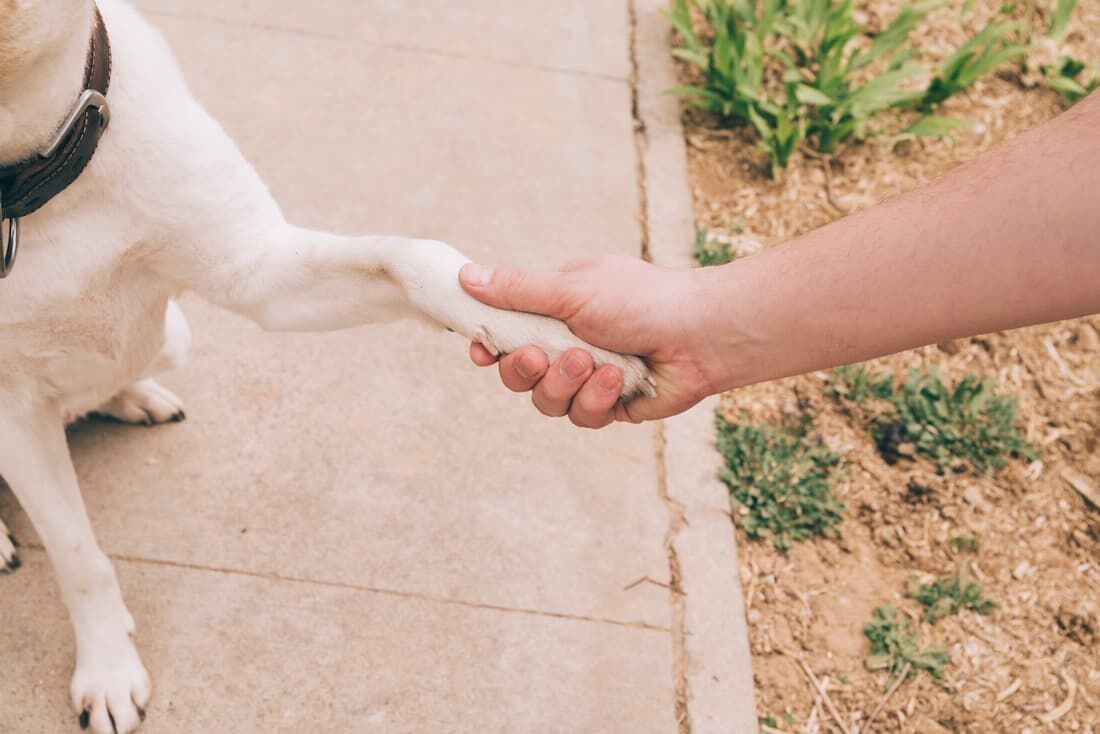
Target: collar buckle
[[9, 243], [89, 99]]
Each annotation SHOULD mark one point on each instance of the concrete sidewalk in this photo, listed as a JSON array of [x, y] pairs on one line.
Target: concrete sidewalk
[[360, 531]]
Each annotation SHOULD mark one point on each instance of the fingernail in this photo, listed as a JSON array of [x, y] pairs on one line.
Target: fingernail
[[525, 368], [574, 367], [475, 274], [609, 381]]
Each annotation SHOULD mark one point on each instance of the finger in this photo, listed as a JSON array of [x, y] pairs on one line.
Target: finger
[[640, 410], [481, 356], [594, 405], [554, 393], [522, 369], [518, 290]]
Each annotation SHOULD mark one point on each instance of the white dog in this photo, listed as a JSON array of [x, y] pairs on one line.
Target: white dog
[[166, 204]]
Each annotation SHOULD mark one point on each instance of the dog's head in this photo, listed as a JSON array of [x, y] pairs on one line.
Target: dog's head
[[31, 30]]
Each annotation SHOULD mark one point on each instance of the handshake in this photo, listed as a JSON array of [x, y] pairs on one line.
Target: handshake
[[618, 303]]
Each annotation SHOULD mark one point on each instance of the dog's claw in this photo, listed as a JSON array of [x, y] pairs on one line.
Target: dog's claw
[[141, 713], [83, 719]]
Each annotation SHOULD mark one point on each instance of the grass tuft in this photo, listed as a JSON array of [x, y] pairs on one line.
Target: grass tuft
[[949, 595], [779, 483], [955, 427], [895, 641]]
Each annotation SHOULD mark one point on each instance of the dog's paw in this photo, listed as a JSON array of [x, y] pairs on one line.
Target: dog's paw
[[505, 331], [110, 691], [9, 559], [146, 403]]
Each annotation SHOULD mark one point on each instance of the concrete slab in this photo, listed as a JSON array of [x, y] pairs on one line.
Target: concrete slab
[[378, 457], [241, 654], [569, 35], [360, 531]]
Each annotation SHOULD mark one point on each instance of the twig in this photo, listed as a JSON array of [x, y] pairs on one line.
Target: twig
[[827, 165], [1062, 366], [1012, 688], [886, 697], [817, 687], [1063, 708]]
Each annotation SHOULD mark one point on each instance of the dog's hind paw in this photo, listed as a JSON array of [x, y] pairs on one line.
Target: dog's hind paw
[[9, 559], [145, 403]]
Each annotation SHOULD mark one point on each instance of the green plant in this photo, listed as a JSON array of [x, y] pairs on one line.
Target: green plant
[[771, 723], [779, 482], [1059, 18], [980, 55], [968, 422], [1064, 77], [965, 543], [806, 71], [854, 383], [948, 595], [710, 251], [895, 642]]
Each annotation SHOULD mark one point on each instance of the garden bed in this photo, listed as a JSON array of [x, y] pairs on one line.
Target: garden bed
[[1023, 536]]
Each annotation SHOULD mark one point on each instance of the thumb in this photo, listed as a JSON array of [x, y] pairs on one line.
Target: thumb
[[517, 290]]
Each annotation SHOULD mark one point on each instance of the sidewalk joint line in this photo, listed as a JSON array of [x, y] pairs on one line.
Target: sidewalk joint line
[[272, 576], [673, 507], [385, 45]]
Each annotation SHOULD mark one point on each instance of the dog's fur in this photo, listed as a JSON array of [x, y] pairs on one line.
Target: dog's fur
[[167, 204]]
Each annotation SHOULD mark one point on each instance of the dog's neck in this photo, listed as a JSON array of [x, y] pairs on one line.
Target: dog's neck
[[39, 86]]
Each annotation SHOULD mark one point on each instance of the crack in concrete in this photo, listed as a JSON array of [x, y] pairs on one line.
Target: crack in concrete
[[674, 508], [278, 577], [252, 25], [676, 597], [639, 131]]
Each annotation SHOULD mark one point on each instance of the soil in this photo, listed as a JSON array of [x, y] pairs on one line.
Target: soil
[[1033, 664]]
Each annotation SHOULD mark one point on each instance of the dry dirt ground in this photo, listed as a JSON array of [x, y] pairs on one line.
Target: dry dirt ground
[[1034, 663]]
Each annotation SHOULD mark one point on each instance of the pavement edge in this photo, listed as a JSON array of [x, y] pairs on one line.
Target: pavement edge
[[715, 664]]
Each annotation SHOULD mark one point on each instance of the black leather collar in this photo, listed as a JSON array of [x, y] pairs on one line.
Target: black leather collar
[[27, 186]]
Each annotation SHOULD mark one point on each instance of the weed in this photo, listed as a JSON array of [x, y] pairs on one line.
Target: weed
[[895, 641], [1065, 78], [948, 595], [966, 543], [968, 424], [992, 46], [710, 251], [854, 383], [1059, 20], [779, 483], [806, 71], [770, 723]]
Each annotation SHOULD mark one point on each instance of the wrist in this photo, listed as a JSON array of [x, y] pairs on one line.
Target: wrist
[[734, 326]]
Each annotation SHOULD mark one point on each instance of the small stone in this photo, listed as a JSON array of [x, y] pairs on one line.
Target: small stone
[[952, 347], [753, 616], [973, 497], [1087, 338], [1022, 570]]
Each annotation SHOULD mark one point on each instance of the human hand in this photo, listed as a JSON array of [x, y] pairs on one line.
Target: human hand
[[619, 303]]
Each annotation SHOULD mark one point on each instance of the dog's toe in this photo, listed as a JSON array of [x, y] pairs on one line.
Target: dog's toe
[[144, 403], [9, 559]]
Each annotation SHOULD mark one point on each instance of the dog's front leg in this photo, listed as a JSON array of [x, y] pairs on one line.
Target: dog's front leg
[[110, 686], [301, 280]]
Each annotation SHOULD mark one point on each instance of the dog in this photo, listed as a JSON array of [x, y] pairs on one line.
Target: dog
[[166, 203]]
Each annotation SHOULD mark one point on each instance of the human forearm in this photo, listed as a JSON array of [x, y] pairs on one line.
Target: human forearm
[[1010, 239]]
